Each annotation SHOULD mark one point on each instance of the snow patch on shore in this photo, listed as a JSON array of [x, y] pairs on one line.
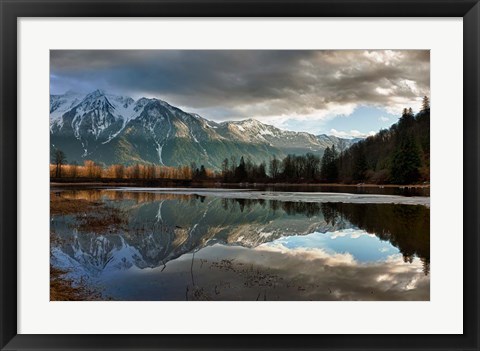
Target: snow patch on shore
[[288, 196]]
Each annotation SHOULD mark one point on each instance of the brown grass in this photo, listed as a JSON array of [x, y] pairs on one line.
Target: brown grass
[[90, 216], [62, 206], [97, 195], [64, 289], [104, 220]]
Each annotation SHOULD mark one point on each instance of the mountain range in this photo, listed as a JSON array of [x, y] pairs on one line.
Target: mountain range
[[111, 129], [162, 230]]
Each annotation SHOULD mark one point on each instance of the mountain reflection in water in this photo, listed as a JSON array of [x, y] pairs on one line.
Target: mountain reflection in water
[[190, 247]]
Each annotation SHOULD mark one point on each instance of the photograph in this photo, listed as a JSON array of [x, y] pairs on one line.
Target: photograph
[[239, 175]]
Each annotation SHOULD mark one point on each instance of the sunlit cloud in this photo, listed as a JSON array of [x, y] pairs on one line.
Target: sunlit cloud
[[333, 259], [279, 87]]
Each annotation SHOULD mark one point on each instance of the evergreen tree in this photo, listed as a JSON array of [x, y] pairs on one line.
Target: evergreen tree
[[241, 172], [262, 173], [360, 165], [329, 165], [426, 104], [333, 166], [325, 162], [406, 162]]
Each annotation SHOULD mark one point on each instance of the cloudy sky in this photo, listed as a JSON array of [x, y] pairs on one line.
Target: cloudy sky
[[340, 92]]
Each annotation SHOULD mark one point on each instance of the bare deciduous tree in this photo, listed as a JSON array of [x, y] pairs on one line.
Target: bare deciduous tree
[[59, 159]]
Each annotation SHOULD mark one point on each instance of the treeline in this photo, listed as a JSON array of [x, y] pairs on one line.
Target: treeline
[[244, 171], [398, 155], [293, 168], [389, 222], [306, 168], [92, 170]]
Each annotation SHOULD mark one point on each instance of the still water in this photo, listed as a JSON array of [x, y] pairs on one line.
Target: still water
[[148, 245]]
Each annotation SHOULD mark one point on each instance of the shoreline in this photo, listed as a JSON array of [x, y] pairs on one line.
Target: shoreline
[[214, 185], [285, 196]]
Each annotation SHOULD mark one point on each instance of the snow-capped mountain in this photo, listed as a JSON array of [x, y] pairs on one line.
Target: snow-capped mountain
[[255, 132], [59, 104], [161, 231], [112, 129], [341, 144]]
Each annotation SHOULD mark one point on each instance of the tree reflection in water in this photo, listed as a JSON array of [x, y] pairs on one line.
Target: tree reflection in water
[[163, 230], [407, 227]]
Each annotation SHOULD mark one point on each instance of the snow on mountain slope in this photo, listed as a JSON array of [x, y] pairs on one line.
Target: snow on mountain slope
[[254, 131], [341, 144], [182, 226], [110, 129], [59, 104]]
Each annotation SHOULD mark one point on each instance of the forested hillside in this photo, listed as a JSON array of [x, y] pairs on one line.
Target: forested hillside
[[399, 155]]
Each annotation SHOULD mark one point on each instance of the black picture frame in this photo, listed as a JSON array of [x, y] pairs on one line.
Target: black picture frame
[[12, 10]]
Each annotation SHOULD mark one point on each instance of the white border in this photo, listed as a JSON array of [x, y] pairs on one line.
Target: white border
[[443, 314]]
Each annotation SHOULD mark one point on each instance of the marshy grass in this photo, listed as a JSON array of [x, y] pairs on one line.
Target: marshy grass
[[65, 289], [104, 220], [90, 216], [60, 206]]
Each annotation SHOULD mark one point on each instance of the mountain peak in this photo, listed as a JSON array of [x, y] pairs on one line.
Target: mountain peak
[[116, 129], [96, 94], [162, 103], [250, 121]]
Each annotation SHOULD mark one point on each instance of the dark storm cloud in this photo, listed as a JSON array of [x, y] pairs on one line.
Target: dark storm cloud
[[238, 84]]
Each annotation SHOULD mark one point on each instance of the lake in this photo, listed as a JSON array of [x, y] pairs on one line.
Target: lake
[[239, 244]]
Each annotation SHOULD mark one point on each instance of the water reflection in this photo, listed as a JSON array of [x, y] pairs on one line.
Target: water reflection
[[352, 189], [237, 248], [356, 243]]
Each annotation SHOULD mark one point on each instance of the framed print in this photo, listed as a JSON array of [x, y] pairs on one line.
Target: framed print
[[219, 175]]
